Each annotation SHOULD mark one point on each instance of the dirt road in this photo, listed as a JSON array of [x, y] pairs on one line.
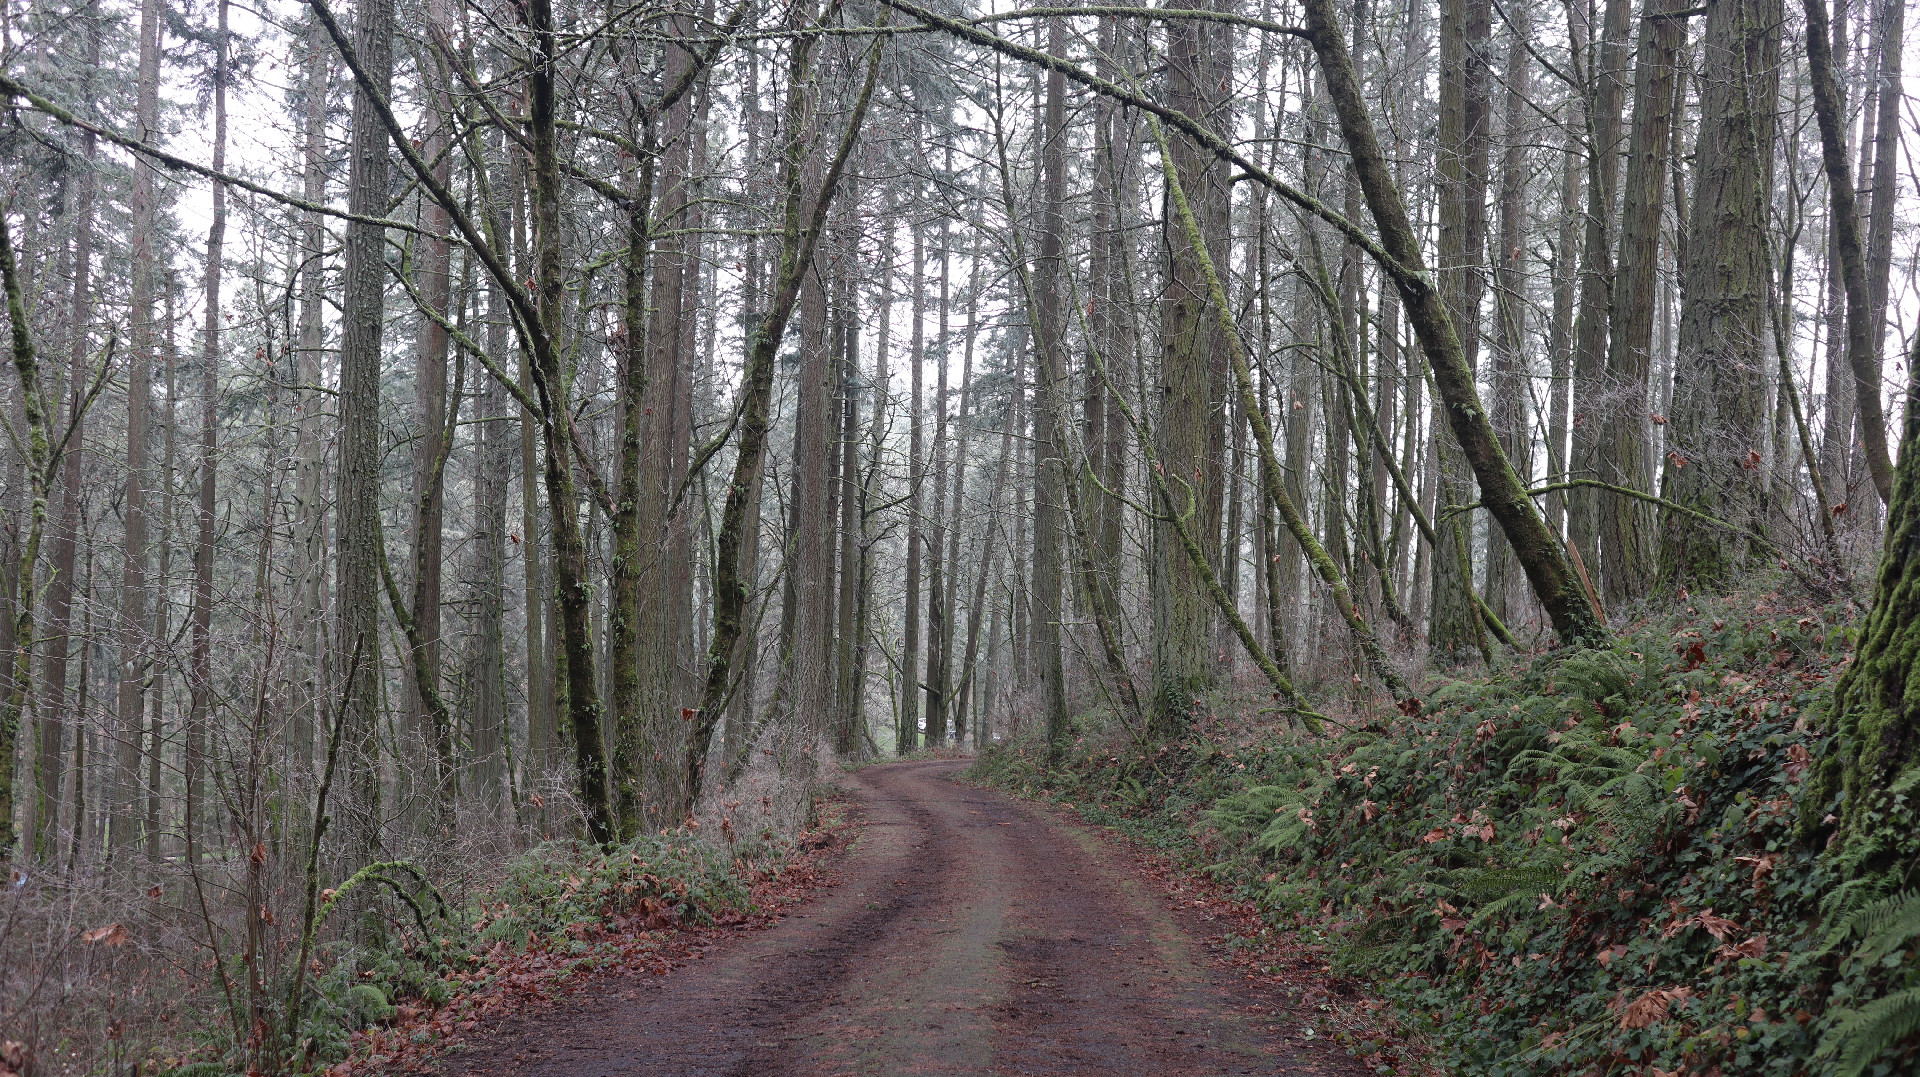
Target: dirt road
[[968, 934]]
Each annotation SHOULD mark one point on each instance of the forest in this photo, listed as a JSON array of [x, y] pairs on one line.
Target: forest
[[490, 489]]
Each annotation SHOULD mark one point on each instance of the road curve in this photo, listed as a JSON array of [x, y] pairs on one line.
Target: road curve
[[968, 934]]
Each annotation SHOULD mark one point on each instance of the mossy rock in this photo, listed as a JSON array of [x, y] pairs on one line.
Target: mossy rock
[[368, 1004]]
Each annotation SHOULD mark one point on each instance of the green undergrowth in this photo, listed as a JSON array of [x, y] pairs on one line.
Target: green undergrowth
[[565, 901], [398, 946], [1579, 863]]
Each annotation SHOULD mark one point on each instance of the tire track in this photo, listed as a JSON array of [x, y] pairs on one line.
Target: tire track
[[964, 934]]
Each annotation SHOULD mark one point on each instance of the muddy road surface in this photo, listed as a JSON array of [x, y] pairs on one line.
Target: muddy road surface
[[967, 934]]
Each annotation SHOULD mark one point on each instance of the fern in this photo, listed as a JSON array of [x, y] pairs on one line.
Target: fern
[[1881, 927], [1493, 883], [1596, 675], [1587, 876], [1608, 782], [1606, 679], [1908, 778], [1251, 812], [1284, 834], [1381, 931], [1861, 1036], [1500, 890], [1581, 756], [1517, 900], [1839, 906]]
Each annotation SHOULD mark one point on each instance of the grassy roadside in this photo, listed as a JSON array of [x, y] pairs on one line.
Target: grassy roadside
[[418, 974], [647, 907], [1575, 864]]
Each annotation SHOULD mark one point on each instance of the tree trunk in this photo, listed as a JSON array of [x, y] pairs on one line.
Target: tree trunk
[[1836, 440], [1626, 455], [19, 689], [312, 428], [811, 567], [140, 359], [543, 696], [1607, 92], [201, 680], [1887, 150], [156, 716], [1874, 741], [1719, 419], [1199, 64], [1566, 262], [357, 590], [488, 779], [1108, 325], [870, 492], [849, 725], [1052, 455], [1862, 351], [1461, 165], [949, 697], [433, 269], [1510, 366], [79, 829], [695, 305], [644, 648], [938, 614], [739, 716], [907, 737], [54, 718], [571, 589], [1346, 461]]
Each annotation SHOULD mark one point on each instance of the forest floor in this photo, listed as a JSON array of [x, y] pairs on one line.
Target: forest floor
[[963, 931]]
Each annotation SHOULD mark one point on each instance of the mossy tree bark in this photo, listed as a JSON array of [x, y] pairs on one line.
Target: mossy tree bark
[[1875, 726], [26, 364], [1461, 164], [1505, 496], [1714, 462], [1183, 659]]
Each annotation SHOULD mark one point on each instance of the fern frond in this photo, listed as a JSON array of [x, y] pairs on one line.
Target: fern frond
[[1585, 877], [1883, 926], [1494, 883], [1839, 907], [1381, 931], [1251, 810], [1519, 899], [1284, 834], [1906, 781], [1862, 1035]]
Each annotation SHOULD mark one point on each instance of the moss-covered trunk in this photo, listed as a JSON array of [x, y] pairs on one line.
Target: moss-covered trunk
[[1873, 750]]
